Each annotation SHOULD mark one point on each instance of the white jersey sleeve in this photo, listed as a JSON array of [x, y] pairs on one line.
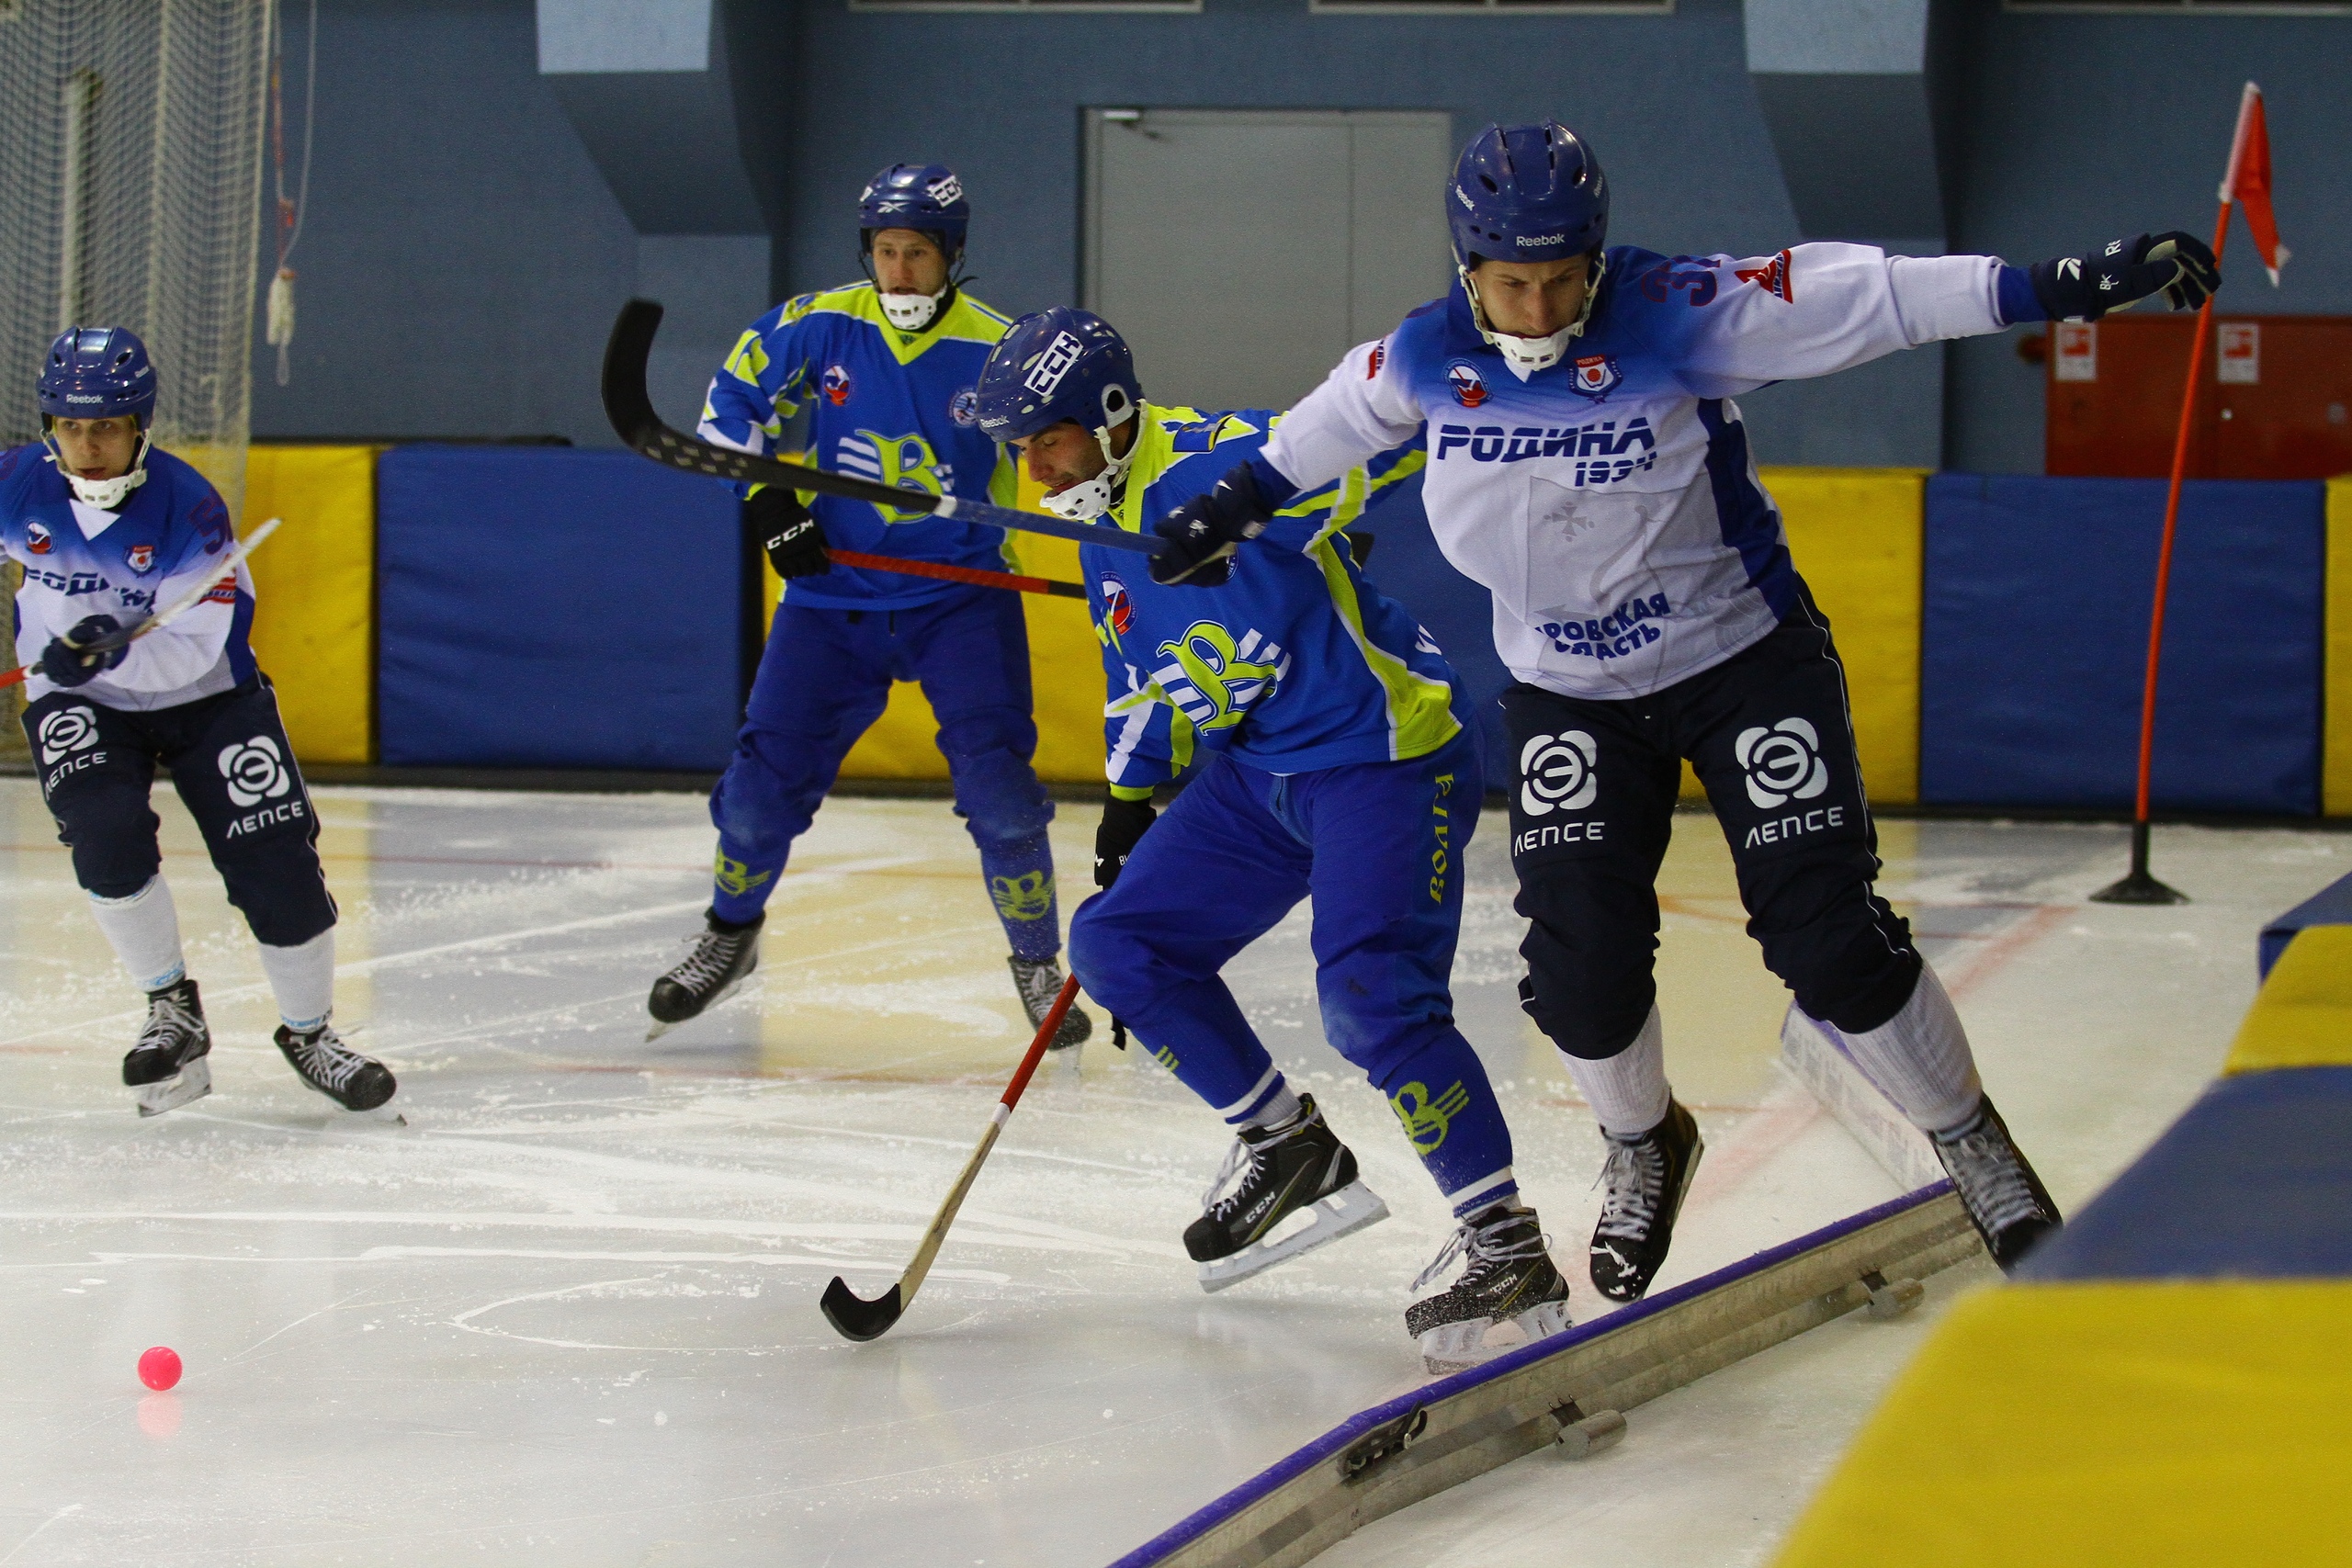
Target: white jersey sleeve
[[1815, 310], [1362, 409], [186, 652]]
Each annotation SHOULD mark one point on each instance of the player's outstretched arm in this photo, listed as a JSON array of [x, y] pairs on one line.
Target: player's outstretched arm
[[2116, 277]]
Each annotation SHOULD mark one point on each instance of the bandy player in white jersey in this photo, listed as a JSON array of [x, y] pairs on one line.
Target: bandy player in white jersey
[[1588, 465]]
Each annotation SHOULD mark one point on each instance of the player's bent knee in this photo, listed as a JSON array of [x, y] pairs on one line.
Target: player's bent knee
[[276, 885], [1860, 989], [1595, 1022], [1000, 798]]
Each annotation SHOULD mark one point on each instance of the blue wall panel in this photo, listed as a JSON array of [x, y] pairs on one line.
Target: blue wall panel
[[537, 607], [2034, 644]]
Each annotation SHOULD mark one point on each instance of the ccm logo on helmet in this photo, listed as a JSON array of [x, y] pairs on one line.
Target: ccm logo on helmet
[[1052, 365]]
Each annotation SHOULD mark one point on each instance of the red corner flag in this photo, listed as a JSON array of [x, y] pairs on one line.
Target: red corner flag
[[2249, 181]]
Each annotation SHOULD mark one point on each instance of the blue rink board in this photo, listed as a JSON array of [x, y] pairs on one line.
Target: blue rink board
[[2331, 906], [2035, 635], [586, 603]]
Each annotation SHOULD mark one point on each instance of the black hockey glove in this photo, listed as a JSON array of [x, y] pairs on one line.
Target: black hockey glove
[[2122, 273], [95, 644], [1202, 534], [1124, 822], [794, 544]]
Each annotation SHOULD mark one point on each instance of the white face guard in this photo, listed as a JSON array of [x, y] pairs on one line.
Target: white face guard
[[104, 494], [913, 312], [1089, 498], [1526, 356]]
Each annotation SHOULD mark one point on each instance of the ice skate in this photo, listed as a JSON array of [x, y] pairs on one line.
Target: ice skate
[[1302, 1169], [1646, 1178], [2011, 1208], [723, 958], [1039, 984], [327, 1063], [167, 1068], [1509, 1278]]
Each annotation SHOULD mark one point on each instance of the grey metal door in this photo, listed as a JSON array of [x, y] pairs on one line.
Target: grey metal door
[[1242, 252]]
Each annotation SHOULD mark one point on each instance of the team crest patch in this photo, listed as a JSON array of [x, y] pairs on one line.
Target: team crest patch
[[963, 408], [1025, 898], [1469, 388], [1596, 376], [140, 557], [835, 384], [37, 539], [1772, 277], [1118, 609], [1379, 357]]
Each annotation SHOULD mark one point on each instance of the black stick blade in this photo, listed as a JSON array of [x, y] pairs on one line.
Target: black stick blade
[[627, 402], [854, 1318]]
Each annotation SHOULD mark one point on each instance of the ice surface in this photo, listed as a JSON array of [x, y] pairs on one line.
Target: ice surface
[[567, 1315]]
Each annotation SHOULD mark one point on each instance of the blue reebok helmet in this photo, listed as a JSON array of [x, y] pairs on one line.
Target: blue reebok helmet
[[1055, 365], [98, 373], [927, 197], [1527, 193]]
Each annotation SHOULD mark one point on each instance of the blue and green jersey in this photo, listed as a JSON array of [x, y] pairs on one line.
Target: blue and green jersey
[[1295, 664], [886, 405]]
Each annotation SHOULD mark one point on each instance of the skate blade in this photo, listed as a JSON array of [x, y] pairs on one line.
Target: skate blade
[[659, 1028], [193, 1081], [1343, 1212], [1452, 1348]]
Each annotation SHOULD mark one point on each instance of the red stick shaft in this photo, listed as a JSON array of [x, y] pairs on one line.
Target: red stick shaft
[[973, 574], [1046, 1033], [2172, 520], [13, 676]]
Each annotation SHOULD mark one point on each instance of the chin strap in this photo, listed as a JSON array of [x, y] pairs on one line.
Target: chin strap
[[104, 494], [913, 312], [1526, 356], [1089, 498]]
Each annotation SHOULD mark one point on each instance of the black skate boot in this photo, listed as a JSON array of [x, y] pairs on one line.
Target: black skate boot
[[2011, 1208], [1039, 984], [327, 1063], [724, 956], [1510, 1278], [167, 1068], [1301, 1167], [1646, 1178]]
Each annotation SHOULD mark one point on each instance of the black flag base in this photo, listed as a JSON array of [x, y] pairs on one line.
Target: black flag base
[[2140, 886]]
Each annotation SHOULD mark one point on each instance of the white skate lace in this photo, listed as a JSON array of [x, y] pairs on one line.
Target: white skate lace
[[1985, 1170], [324, 1059], [1635, 1177], [170, 1025], [1240, 1156], [1040, 984], [1486, 1247], [714, 952]]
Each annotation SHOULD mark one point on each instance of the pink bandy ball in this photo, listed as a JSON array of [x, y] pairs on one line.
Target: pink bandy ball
[[159, 1369]]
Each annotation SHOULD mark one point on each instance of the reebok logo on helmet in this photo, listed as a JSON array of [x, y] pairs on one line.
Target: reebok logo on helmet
[[1542, 239]]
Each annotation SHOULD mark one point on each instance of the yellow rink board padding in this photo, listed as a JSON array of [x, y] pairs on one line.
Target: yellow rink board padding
[[1858, 536], [2138, 1425], [314, 592], [2336, 638], [2303, 1015]]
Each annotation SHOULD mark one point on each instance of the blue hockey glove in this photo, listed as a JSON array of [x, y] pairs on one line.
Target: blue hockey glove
[[794, 544], [95, 644], [2121, 274], [1202, 532]]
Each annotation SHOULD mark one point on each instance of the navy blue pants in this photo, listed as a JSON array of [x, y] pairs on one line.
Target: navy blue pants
[[1379, 847], [825, 678]]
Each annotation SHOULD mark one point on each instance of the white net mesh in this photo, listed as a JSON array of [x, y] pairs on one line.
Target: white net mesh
[[130, 196]]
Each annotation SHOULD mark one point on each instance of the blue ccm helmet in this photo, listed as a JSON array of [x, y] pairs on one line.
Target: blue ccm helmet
[[99, 372], [1528, 193], [1064, 365], [928, 198]]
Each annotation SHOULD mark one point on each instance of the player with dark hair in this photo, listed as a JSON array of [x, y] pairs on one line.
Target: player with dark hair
[[886, 367], [1333, 765], [109, 528], [1588, 466]]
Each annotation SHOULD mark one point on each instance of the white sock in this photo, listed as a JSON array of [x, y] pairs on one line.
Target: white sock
[[144, 932], [1627, 1091], [1281, 1106], [1920, 1059], [303, 979]]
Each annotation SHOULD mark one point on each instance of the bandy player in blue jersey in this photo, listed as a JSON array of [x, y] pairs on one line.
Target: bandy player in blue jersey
[[1333, 765], [109, 530], [887, 368], [1587, 464]]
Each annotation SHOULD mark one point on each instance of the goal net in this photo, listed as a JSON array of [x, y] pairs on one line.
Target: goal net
[[130, 195]]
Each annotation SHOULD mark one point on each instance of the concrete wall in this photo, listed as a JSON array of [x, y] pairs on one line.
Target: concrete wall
[[463, 254]]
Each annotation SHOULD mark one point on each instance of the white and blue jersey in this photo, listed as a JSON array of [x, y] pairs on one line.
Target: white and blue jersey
[[80, 560], [889, 405], [1609, 502], [1295, 664]]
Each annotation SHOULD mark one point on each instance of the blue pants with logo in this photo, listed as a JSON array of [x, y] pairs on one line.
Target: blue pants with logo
[[825, 678], [1379, 847]]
